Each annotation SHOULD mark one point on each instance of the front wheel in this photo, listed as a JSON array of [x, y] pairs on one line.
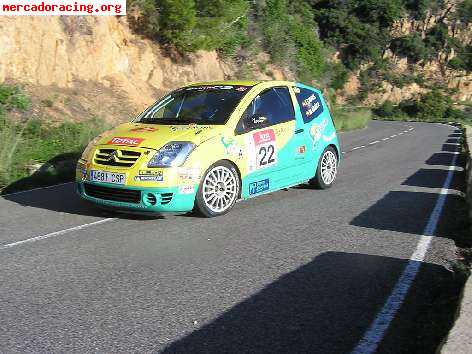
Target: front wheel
[[218, 190], [327, 169]]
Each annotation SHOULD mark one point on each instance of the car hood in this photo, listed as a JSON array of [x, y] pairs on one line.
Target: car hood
[[154, 136]]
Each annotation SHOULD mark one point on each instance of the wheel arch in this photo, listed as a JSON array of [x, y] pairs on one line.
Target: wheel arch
[[336, 149], [238, 172]]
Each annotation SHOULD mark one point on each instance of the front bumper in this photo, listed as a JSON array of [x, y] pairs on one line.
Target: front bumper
[[162, 199]]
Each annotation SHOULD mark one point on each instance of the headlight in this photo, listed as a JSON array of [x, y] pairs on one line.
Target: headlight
[[172, 154], [89, 148]]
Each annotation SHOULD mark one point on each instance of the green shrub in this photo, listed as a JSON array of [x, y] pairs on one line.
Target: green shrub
[[464, 11], [289, 37], [463, 60], [350, 118], [359, 28], [146, 22], [40, 143], [411, 46], [339, 76], [458, 115], [433, 106], [191, 25], [13, 97]]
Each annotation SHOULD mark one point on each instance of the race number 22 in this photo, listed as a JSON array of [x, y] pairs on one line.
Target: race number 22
[[265, 148]]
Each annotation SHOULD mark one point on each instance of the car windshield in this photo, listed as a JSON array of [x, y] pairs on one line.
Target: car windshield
[[195, 105]]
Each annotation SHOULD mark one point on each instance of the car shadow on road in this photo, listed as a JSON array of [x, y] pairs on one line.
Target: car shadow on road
[[445, 158], [434, 178], [64, 199], [324, 306], [449, 147], [408, 211]]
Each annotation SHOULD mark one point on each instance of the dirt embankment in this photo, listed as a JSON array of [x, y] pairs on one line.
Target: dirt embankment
[[82, 66]]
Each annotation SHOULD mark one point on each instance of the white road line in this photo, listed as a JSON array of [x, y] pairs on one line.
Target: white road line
[[54, 234], [384, 139], [410, 129], [400, 133], [358, 147], [374, 142], [35, 189], [393, 136], [376, 332]]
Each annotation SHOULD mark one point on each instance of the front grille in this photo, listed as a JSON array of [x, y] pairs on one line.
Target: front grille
[[114, 194], [116, 157]]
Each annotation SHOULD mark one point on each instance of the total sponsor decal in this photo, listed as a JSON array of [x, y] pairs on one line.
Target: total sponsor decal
[[187, 189], [259, 186], [262, 149], [149, 176], [119, 140]]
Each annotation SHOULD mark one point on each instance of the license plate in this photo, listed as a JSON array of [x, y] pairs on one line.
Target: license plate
[[107, 177]]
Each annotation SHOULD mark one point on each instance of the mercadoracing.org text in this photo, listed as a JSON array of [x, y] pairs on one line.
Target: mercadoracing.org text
[[62, 7]]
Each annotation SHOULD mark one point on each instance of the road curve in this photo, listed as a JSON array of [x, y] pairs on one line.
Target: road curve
[[301, 270]]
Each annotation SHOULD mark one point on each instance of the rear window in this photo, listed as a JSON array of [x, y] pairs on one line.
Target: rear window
[[310, 103]]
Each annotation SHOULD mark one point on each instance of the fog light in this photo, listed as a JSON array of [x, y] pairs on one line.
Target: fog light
[[150, 199]]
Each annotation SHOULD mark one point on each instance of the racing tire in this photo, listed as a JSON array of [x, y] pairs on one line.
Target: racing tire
[[218, 190], [327, 169]]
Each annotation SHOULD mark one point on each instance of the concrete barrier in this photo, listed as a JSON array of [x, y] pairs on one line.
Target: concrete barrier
[[459, 339]]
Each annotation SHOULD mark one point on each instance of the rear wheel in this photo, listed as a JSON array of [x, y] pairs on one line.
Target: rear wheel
[[218, 190], [327, 169]]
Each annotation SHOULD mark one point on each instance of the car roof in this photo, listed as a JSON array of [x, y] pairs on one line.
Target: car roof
[[241, 83]]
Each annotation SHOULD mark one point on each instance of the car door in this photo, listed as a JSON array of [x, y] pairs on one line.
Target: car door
[[318, 129], [267, 129]]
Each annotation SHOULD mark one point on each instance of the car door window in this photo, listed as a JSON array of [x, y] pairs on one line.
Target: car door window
[[271, 107], [310, 103]]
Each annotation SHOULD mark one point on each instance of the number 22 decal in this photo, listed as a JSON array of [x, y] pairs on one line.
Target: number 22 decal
[[266, 155], [262, 149]]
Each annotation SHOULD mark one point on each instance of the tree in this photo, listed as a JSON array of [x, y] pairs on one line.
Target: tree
[[411, 46], [433, 105], [464, 11], [178, 19]]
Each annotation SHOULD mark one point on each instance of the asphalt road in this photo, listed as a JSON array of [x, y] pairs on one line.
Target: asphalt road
[[301, 270]]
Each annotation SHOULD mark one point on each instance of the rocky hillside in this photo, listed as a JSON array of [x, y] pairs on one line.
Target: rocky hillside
[[80, 67]]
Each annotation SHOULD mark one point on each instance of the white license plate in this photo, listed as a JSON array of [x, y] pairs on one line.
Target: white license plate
[[107, 177]]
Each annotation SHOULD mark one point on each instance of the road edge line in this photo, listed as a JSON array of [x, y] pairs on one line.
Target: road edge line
[[376, 331]]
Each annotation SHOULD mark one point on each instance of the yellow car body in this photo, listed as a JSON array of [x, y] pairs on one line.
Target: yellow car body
[[114, 169]]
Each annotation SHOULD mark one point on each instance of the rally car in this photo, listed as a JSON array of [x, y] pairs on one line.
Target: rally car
[[205, 146]]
